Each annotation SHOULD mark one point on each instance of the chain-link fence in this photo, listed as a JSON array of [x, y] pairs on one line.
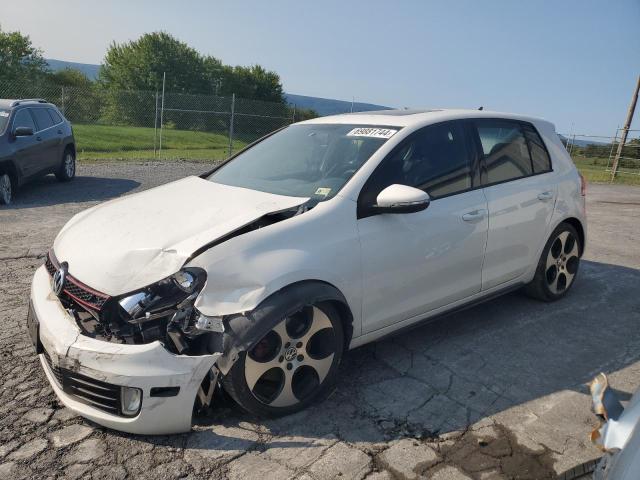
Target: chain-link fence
[[115, 124], [595, 154]]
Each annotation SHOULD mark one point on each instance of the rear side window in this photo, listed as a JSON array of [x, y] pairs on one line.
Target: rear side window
[[54, 116], [539, 155], [23, 119], [43, 119], [505, 150]]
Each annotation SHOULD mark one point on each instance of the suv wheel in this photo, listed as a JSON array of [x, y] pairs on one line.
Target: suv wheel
[[558, 265], [68, 167], [293, 365], [6, 192]]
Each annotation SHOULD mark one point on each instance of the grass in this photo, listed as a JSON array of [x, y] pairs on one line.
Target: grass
[[594, 170], [100, 142]]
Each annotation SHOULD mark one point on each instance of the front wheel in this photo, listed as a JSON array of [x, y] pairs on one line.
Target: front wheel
[[293, 365], [558, 265], [68, 167]]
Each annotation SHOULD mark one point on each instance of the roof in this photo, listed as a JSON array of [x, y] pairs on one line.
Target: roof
[[406, 118]]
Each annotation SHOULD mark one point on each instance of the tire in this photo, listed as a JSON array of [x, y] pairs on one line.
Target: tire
[[6, 189], [292, 366], [67, 170], [558, 265]]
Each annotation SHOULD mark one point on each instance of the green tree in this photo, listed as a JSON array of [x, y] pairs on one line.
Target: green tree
[[253, 82], [70, 77], [19, 60]]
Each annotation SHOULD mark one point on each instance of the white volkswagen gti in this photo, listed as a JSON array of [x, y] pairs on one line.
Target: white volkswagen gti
[[257, 276]]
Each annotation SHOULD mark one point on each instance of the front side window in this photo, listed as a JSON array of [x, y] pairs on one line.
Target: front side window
[[24, 119], [43, 119], [304, 160], [434, 159], [506, 154]]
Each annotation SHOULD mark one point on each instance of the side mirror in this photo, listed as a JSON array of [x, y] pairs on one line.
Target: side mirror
[[22, 131], [401, 199]]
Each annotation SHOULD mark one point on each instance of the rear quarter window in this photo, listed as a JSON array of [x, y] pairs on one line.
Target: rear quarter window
[[55, 116], [539, 155]]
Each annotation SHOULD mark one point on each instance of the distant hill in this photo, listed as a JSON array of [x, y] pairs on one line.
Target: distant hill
[[327, 106], [89, 69], [324, 106]]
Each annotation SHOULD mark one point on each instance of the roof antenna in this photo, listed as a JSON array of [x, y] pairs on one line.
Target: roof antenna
[[481, 108]]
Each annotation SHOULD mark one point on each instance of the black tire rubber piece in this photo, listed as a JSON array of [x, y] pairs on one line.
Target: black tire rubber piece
[[61, 174], [538, 287], [235, 383]]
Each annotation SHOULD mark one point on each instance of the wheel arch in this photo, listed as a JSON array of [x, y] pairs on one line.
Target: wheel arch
[[70, 146], [243, 331], [8, 167], [577, 224]]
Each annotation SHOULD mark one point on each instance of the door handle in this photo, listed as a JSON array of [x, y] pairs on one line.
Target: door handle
[[59, 132], [544, 196], [39, 139], [474, 216]]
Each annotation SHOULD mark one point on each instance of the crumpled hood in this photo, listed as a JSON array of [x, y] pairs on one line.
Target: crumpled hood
[[134, 241]]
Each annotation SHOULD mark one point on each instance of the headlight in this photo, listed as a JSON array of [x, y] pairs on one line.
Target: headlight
[[131, 400], [165, 295]]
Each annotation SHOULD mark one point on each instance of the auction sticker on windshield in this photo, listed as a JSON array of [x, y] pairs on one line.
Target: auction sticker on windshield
[[372, 132]]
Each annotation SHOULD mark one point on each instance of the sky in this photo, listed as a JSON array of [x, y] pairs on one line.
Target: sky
[[573, 62]]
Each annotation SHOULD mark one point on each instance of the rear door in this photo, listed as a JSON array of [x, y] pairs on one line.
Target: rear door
[[520, 197], [26, 149], [48, 139]]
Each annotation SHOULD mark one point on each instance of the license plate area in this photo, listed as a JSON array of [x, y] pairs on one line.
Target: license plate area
[[33, 327]]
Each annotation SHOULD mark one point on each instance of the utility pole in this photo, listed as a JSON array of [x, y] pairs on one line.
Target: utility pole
[[625, 129]]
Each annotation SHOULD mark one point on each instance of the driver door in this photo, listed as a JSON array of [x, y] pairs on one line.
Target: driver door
[[415, 262]]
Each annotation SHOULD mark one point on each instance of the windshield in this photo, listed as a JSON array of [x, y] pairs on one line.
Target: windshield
[[304, 160], [4, 119]]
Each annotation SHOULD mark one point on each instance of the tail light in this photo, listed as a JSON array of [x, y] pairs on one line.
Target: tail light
[[583, 185]]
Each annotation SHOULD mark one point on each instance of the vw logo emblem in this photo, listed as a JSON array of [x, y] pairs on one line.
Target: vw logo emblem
[[290, 354], [58, 280]]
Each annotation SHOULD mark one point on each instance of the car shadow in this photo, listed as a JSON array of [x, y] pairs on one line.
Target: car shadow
[[46, 191], [492, 360]]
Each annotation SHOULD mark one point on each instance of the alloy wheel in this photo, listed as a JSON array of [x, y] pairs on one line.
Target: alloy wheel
[[290, 363], [69, 165], [562, 262], [5, 189]]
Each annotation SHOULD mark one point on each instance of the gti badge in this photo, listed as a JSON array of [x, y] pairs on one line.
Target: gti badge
[[59, 279]]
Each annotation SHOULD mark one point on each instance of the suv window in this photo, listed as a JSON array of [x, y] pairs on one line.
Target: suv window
[[4, 118], [539, 154], [23, 119], [43, 119], [55, 116], [434, 159], [506, 154]]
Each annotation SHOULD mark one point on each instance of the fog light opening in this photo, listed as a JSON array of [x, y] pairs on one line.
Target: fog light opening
[[130, 400]]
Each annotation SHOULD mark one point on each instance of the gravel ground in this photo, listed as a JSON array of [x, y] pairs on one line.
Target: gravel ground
[[493, 392]]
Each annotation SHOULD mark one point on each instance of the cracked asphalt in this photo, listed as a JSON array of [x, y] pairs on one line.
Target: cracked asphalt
[[493, 392]]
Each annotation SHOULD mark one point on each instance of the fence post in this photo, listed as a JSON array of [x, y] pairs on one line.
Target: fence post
[[625, 130], [164, 77], [233, 113], [294, 114], [155, 127], [62, 101]]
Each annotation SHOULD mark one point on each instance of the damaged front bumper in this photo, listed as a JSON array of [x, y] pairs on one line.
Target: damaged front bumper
[[89, 376]]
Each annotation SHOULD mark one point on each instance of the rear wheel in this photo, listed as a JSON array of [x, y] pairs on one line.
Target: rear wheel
[[293, 365], [6, 189], [68, 167], [558, 265]]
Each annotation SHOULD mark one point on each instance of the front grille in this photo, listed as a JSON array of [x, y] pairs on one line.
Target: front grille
[[75, 290], [101, 395]]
